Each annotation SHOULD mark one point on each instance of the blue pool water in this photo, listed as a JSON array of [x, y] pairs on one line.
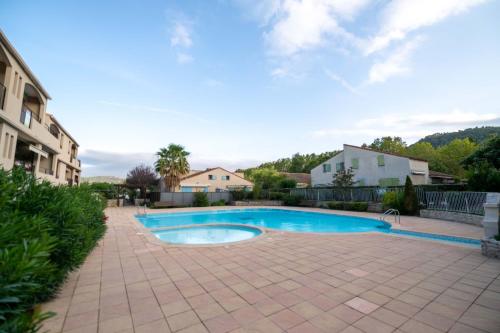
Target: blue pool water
[[278, 219], [211, 234]]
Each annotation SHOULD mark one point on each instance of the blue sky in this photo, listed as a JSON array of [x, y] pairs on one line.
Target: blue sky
[[238, 82]]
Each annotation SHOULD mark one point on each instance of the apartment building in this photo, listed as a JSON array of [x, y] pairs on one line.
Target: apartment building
[[29, 136], [371, 168]]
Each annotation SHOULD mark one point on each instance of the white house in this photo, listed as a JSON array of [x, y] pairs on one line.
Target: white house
[[371, 168]]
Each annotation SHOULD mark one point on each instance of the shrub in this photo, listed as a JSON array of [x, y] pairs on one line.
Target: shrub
[[359, 206], [335, 205], [410, 202], [276, 196], [287, 183], [200, 200], [45, 232], [393, 200], [220, 202], [291, 200]]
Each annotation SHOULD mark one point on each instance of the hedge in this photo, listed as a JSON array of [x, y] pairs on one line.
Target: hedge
[[46, 231], [358, 206]]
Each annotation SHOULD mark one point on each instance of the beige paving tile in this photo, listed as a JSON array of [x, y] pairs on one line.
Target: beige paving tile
[[362, 305], [418, 284]]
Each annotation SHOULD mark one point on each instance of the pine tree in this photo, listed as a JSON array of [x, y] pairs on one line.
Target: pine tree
[[410, 201]]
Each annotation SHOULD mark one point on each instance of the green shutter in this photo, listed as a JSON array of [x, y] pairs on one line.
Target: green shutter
[[355, 163], [380, 160]]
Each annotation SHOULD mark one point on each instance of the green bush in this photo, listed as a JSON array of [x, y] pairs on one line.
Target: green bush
[[393, 200], [335, 205], [45, 232], [220, 202], [200, 200], [276, 195], [291, 200], [359, 206], [287, 183]]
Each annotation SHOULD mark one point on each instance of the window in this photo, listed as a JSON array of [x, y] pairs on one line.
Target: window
[[6, 145], [327, 167], [26, 116], [11, 144], [19, 87], [384, 182], [212, 177], [355, 163], [339, 166], [380, 160], [14, 86], [224, 177]]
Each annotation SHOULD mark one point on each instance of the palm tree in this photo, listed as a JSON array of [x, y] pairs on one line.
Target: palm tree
[[172, 165]]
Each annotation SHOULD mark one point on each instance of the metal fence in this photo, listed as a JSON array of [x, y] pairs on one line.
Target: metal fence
[[372, 194], [463, 202], [187, 198]]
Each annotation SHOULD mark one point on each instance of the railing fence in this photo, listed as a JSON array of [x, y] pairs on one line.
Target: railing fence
[[463, 202]]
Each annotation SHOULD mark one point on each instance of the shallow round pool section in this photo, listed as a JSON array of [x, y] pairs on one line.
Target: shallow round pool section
[[208, 234]]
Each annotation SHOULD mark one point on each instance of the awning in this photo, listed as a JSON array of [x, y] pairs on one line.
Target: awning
[[39, 151]]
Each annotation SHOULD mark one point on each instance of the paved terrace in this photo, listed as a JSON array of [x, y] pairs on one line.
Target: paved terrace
[[281, 282]]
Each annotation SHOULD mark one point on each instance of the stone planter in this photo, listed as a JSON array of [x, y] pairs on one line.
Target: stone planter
[[490, 248]]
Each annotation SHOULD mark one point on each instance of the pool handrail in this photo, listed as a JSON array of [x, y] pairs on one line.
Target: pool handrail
[[392, 211]]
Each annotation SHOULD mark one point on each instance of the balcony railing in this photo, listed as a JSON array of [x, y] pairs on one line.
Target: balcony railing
[[3, 92]]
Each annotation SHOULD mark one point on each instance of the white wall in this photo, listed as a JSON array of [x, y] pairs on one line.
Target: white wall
[[320, 178], [369, 172]]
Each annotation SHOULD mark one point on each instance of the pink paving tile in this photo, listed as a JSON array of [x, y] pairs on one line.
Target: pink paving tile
[[286, 319], [221, 324], [362, 305]]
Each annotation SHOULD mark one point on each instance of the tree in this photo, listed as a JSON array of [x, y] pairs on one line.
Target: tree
[[410, 200], [489, 152], [450, 156], [265, 178], [172, 165], [343, 178], [142, 176], [388, 144], [483, 166]]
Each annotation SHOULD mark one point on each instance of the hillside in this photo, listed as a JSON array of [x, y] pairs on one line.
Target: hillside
[[103, 179], [476, 134]]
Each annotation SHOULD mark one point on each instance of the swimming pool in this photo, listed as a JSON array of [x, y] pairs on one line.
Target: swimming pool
[[278, 219], [282, 219]]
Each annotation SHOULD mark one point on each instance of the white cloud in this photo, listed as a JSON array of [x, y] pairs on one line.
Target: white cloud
[[342, 81], [410, 126], [184, 58], [181, 35], [401, 17], [396, 64], [107, 163], [308, 24]]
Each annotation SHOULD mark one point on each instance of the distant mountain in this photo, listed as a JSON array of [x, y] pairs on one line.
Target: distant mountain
[[476, 134], [103, 179]]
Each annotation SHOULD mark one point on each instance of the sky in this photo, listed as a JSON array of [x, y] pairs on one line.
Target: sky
[[240, 82]]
